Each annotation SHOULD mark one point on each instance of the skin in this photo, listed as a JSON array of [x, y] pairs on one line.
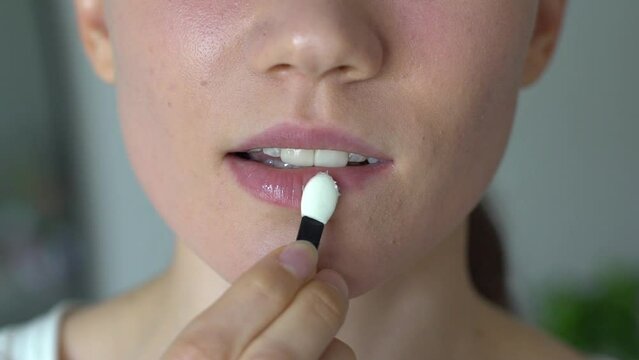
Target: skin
[[433, 84]]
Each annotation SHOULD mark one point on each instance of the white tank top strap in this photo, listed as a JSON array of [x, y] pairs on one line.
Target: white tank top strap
[[36, 339]]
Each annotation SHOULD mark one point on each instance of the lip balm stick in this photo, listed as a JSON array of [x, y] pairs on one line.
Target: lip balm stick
[[319, 199]]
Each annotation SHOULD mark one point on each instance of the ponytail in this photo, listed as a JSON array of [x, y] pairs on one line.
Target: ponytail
[[486, 261]]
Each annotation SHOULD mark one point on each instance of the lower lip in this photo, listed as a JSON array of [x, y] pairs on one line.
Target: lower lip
[[283, 187]]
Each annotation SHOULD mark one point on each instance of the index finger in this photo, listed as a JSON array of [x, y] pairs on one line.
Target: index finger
[[253, 301]]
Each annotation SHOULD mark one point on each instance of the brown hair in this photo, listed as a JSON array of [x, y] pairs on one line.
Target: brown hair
[[486, 260]]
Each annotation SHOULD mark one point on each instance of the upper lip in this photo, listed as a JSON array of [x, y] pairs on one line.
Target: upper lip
[[293, 136]]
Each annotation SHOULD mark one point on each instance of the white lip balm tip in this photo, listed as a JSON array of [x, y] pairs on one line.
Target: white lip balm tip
[[319, 197]]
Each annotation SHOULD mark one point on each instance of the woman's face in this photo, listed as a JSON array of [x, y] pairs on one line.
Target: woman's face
[[429, 86]]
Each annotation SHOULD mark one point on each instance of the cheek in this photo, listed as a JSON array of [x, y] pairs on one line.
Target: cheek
[[477, 70], [166, 54], [469, 63], [459, 89], [166, 49]]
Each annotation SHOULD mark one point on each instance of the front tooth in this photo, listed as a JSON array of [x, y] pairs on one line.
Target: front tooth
[[298, 157], [274, 152], [331, 158], [352, 157]]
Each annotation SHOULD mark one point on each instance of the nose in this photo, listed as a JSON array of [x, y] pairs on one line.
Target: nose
[[317, 39]]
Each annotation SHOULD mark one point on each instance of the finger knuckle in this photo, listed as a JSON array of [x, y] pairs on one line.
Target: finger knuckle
[[327, 305], [267, 287], [272, 353], [217, 345], [186, 349]]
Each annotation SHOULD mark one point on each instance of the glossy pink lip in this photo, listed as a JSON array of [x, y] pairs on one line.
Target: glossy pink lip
[[283, 187]]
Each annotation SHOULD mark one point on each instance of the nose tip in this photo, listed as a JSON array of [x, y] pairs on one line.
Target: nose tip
[[315, 39]]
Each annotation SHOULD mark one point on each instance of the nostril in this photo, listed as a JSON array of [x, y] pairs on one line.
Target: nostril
[[343, 70], [347, 73], [281, 68]]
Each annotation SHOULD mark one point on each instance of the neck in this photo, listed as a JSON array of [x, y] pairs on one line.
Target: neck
[[427, 309]]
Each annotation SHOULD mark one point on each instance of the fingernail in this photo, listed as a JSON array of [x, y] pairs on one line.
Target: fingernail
[[333, 279], [300, 258]]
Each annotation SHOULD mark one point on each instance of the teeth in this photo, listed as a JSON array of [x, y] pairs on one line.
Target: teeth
[[292, 158], [298, 157], [352, 157], [331, 158], [274, 152]]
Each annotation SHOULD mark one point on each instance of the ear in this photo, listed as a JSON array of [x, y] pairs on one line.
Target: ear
[[550, 15], [95, 37]]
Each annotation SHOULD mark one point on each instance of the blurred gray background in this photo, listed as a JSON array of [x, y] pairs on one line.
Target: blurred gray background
[[566, 194]]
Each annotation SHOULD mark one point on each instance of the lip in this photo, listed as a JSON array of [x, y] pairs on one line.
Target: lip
[[283, 187]]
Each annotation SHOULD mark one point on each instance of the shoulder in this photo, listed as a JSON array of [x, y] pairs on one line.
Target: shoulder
[[35, 339], [511, 338]]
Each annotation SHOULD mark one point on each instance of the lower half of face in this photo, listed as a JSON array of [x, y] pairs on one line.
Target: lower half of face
[[194, 83]]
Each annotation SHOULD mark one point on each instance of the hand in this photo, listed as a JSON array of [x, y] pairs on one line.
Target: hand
[[279, 309]]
